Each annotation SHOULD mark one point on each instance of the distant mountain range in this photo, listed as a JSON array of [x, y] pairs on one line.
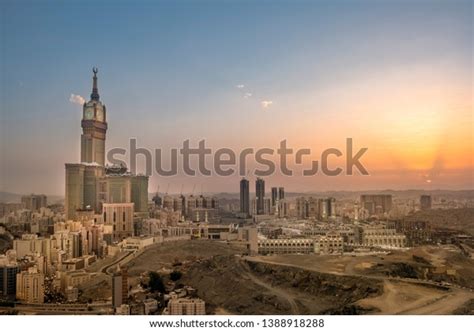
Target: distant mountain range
[[349, 194], [16, 197]]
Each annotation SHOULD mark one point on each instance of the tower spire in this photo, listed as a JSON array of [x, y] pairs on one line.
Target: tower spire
[[95, 90]]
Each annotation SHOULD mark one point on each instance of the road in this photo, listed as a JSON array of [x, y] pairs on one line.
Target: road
[[274, 290], [105, 269], [399, 279], [403, 295]]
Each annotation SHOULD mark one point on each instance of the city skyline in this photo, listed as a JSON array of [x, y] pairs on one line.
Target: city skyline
[[396, 98], [312, 158]]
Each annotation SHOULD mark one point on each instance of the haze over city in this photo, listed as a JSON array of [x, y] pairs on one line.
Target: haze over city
[[394, 76], [256, 164]]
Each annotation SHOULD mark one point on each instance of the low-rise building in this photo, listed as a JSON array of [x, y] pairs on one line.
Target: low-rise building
[[380, 236], [30, 286], [331, 243], [285, 246], [184, 306]]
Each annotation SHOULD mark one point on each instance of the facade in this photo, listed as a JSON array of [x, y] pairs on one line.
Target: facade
[[260, 196], [417, 232], [330, 243], [278, 194], [136, 243], [311, 207], [74, 279], [90, 184], [380, 236], [202, 209], [245, 196], [286, 246], [120, 288], [376, 204], [281, 193], [250, 235], [8, 272], [282, 208], [183, 306], [30, 286], [274, 196], [264, 203], [120, 217], [34, 201], [425, 202], [10, 207]]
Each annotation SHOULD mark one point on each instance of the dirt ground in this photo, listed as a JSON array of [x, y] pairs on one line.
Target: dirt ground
[[163, 257], [404, 298], [435, 263], [402, 282]]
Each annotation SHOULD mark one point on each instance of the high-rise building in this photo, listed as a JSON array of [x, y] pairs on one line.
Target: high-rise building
[[245, 196], [94, 127], [311, 207], [34, 201], [120, 216], [8, 272], [90, 183], [120, 287], [30, 286], [425, 202], [376, 204], [274, 196], [327, 208], [260, 196], [281, 193]]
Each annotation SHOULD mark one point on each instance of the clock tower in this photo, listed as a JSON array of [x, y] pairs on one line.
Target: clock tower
[[94, 127], [92, 188]]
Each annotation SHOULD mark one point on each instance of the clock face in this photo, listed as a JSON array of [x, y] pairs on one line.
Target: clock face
[[89, 114]]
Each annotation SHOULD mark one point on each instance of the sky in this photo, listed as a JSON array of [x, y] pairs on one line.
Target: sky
[[395, 76]]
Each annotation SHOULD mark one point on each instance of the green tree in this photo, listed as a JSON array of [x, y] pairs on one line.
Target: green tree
[[175, 275], [156, 283]]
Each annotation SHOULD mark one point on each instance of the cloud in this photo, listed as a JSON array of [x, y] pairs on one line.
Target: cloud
[[247, 95], [266, 103], [240, 86], [77, 99]]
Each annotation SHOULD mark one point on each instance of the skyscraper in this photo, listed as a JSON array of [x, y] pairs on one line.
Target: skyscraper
[[34, 201], [8, 272], [425, 202], [94, 127], [281, 193], [120, 287], [260, 196], [376, 204], [82, 179], [90, 183], [274, 195], [245, 196]]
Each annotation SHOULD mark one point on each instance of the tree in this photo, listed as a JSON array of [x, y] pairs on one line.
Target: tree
[[175, 275], [156, 283]]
